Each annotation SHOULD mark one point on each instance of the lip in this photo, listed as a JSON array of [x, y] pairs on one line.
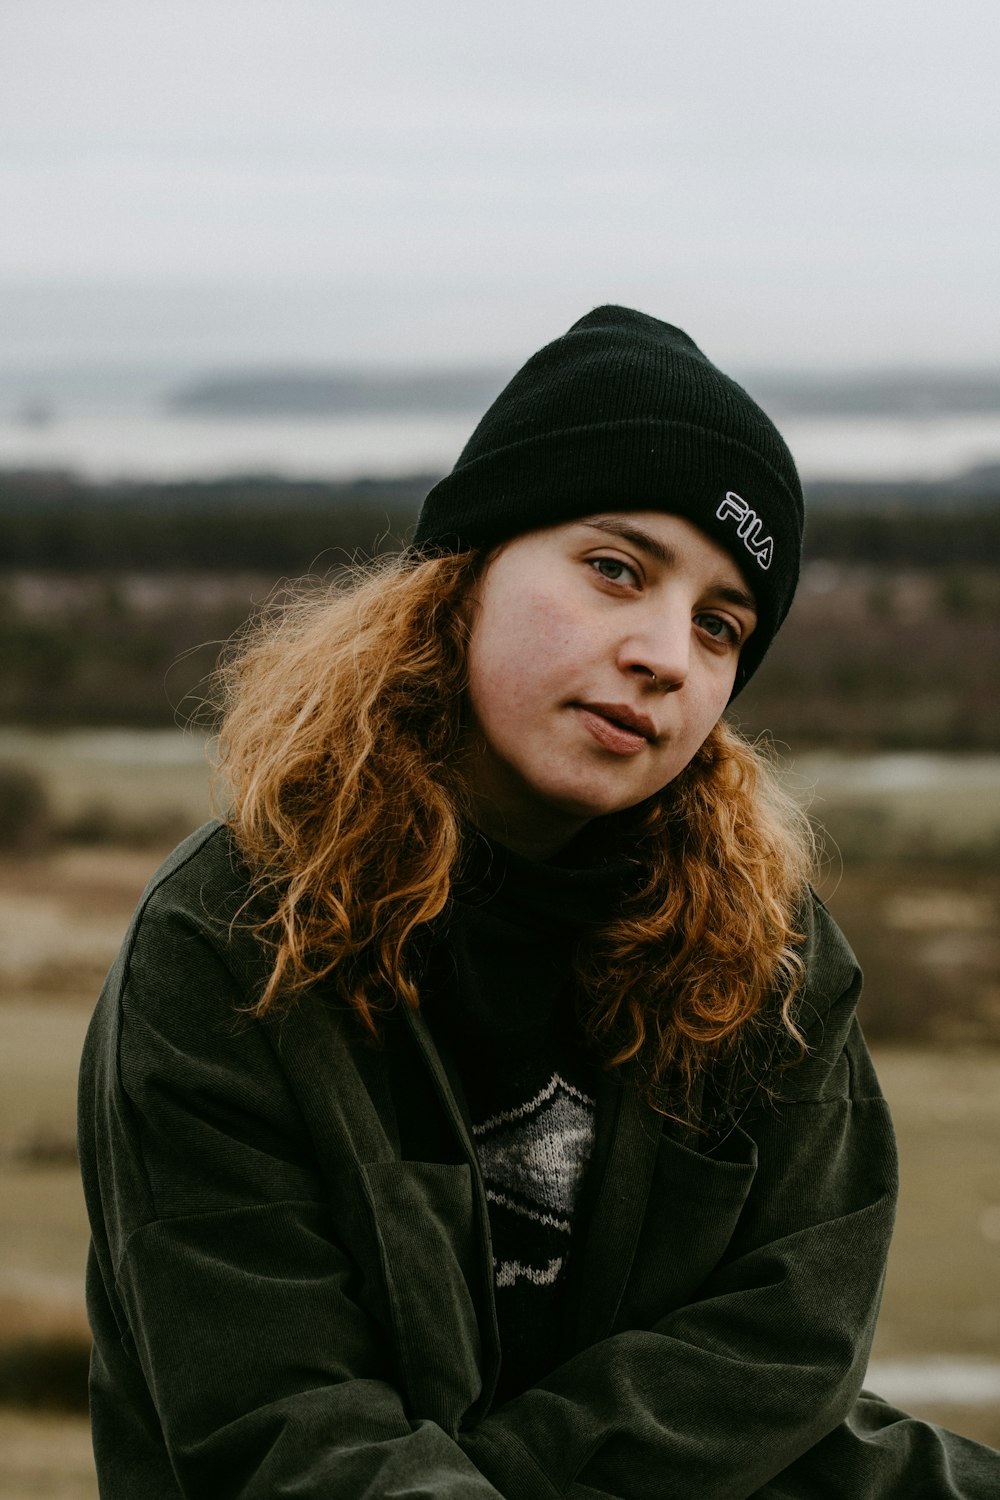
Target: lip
[[617, 727], [621, 713]]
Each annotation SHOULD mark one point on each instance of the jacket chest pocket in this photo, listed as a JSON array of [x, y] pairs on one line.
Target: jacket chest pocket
[[694, 1204], [426, 1225]]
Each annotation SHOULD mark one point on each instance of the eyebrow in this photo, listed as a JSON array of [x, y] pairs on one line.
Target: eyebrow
[[653, 547]]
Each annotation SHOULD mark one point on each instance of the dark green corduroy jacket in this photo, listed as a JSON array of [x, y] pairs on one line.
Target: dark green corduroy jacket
[[286, 1303]]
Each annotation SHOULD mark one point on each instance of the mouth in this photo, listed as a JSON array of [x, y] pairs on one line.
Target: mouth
[[617, 727], [624, 717]]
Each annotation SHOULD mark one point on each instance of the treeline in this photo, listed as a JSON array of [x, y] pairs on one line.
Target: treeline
[[898, 537], [281, 526]]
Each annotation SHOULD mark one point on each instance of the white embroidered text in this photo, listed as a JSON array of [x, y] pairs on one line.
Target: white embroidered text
[[749, 526]]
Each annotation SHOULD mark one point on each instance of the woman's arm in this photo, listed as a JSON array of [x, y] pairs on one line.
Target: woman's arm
[[720, 1394], [242, 1345], [880, 1453]]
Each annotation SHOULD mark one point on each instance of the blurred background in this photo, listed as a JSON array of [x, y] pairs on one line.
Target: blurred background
[[262, 265]]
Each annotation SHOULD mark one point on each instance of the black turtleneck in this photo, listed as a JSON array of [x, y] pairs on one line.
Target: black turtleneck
[[502, 1003]]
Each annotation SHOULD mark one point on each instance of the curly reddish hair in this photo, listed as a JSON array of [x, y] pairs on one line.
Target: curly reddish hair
[[342, 738]]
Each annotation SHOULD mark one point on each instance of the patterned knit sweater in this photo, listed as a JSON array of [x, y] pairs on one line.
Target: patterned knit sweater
[[503, 1008]]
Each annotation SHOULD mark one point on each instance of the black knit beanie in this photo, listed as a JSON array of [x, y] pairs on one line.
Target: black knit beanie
[[626, 413]]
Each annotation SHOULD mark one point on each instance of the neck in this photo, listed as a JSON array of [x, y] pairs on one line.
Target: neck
[[539, 838]]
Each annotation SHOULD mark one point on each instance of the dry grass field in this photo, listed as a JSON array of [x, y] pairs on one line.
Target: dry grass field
[[62, 913], [45, 1456]]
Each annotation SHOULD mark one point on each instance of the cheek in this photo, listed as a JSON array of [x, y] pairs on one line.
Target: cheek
[[515, 653], [503, 675], [489, 685], [706, 713]]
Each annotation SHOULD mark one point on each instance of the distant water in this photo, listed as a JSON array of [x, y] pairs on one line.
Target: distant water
[[108, 432], [141, 445], [941, 1381]]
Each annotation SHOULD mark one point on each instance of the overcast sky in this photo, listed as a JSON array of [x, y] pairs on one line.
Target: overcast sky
[[797, 182]]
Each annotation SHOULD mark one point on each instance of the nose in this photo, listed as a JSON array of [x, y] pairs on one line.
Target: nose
[[660, 652]]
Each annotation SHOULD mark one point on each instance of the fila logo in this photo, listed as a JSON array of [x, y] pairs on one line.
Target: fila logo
[[749, 526]]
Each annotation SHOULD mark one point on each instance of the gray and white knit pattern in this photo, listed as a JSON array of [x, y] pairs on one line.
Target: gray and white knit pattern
[[533, 1157]]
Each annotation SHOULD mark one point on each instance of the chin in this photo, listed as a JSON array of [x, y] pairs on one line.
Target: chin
[[584, 806]]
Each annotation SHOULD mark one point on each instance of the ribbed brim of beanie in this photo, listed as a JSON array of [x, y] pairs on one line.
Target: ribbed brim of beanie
[[625, 413]]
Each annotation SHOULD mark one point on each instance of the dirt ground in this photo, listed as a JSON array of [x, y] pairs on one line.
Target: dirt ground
[[62, 915], [45, 1455]]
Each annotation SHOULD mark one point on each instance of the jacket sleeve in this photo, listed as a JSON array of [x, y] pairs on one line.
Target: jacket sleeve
[[722, 1392], [228, 1312], [881, 1451]]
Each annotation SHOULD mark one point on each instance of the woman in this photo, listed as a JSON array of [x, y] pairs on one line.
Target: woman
[[480, 1109]]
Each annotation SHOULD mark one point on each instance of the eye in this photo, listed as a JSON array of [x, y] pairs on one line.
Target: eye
[[719, 628], [614, 570]]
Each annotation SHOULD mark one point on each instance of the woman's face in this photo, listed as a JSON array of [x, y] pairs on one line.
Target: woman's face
[[601, 654]]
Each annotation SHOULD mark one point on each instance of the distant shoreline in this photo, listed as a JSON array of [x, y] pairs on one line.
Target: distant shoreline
[[337, 425], [35, 486]]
